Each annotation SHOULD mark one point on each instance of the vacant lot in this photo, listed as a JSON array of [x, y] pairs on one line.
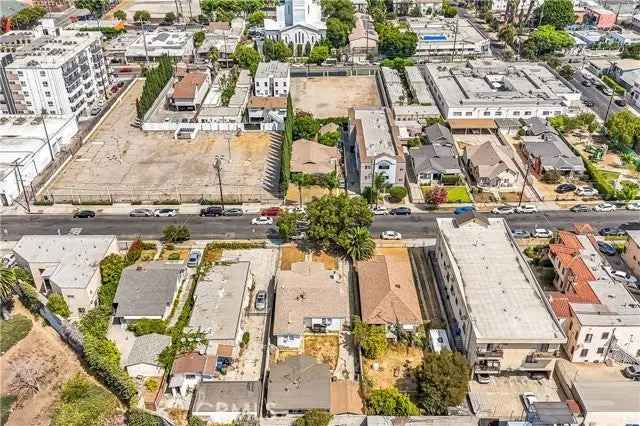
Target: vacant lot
[[395, 368], [323, 348], [333, 96], [125, 163]]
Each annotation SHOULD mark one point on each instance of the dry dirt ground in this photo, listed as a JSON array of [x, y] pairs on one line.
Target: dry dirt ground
[[309, 193], [333, 96], [44, 348], [126, 163], [395, 368], [323, 348]]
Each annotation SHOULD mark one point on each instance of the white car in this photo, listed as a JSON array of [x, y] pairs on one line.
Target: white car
[[379, 211], [542, 233], [391, 235], [503, 210], [633, 205], [296, 209], [262, 220], [527, 208], [299, 236], [528, 398], [605, 207], [587, 191], [165, 212], [621, 276]]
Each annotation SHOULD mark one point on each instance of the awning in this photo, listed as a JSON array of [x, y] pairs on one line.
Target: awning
[[474, 123]]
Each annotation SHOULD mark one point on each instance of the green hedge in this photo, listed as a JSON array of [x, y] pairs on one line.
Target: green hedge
[[155, 80], [600, 182], [142, 327], [617, 88], [285, 148]]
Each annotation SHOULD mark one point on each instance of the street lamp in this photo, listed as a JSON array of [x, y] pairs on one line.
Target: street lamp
[[43, 114]]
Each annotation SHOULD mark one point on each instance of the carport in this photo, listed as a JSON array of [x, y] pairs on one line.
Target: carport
[[462, 126]]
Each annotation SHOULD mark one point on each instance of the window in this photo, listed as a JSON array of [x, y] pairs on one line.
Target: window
[[600, 350], [70, 296], [457, 114], [587, 338], [23, 84], [45, 84], [276, 84], [545, 112], [516, 113], [28, 103], [584, 352], [487, 113], [468, 113], [498, 113], [42, 73], [190, 376], [20, 73], [47, 94], [605, 335], [50, 103], [266, 84], [527, 113], [81, 311], [284, 83]]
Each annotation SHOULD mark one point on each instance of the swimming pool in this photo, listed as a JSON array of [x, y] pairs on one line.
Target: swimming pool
[[434, 37]]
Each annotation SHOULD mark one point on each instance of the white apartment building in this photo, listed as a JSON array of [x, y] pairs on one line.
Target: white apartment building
[[66, 264], [635, 94], [25, 150], [63, 73], [491, 89], [439, 36], [272, 79], [377, 146], [503, 321], [500, 6], [597, 330]]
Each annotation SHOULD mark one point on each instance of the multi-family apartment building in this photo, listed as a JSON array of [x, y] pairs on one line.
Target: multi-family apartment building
[[63, 73], [272, 79], [503, 321]]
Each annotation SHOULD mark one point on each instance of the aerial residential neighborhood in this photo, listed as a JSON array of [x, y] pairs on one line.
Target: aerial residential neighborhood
[[319, 212]]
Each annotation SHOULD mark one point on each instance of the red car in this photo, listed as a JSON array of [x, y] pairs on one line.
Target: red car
[[271, 211]]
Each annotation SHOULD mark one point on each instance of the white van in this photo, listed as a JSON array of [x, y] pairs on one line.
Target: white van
[[438, 340]]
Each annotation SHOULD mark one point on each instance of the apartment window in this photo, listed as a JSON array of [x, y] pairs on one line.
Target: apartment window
[[81, 311], [584, 352], [587, 338], [545, 112], [527, 113], [266, 84], [23, 84], [47, 94], [605, 335], [457, 114], [516, 113], [487, 113], [600, 350], [28, 103], [498, 113], [50, 103], [284, 83], [276, 84], [190, 376], [45, 84], [20, 73], [468, 113], [42, 73]]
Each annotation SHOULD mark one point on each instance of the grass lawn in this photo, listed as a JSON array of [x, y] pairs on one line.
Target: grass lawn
[[457, 194], [609, 175], [165, 254], [6, 401], [13, 330], [323, 348]]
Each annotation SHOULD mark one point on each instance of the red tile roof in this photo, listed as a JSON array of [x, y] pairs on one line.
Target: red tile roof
[[194, 363], [583, 228], [186, 88], [569, 239]]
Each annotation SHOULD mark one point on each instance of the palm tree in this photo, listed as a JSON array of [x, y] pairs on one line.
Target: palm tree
[[9, 281], [378, 185], [358, 244], [298, 178], [629, 191]]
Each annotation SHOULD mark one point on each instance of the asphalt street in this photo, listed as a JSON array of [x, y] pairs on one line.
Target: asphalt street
[[599, 99], [419, 225]]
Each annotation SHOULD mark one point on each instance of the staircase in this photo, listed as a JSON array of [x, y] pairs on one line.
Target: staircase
[[621, 356]]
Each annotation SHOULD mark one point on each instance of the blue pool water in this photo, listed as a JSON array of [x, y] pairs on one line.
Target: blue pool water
[[434, 37]]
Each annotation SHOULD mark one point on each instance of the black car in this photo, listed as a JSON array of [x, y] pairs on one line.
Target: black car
[[401, 211], [84, 214], [233, 212], [212, 211], [611, 231], [588, 103], [620, 102], [586, 83], [565, 187], [579, 208]]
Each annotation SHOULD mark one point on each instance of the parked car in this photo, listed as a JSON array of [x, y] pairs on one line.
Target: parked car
[[621, 276], [165, 212], [84, 214], [587, 191], [194, 258], [261, 300], [212, 211], [400, 211], [520, 233], [606, 248], [605, 207], [503, 210], [633, 205], [588, 103], [563, 188], [528, 398], [580, 208], [542, 233], [526, 209], [299, 236], [8, 260], [95, 110], [463, 210], [586, 83], [141, 213], [483, 378], [620, 102], [632, 372], [379, 211], [233, 212], [606, 90], [296, 209], [262, 220], [611, 231], [391, 235], [271, 211]]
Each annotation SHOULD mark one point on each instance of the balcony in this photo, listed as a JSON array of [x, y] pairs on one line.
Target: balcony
[[494, 353], [487, 367]]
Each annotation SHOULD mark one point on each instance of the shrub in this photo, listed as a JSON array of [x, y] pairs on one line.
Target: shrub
[[82, 403], [174, 256], [29, 297], [196, 421], [551, 176], [58, 305], [600, 182], [110, 271], [142, 327], [314, 418], [617, 88], [245, 338], [134, 252], [137, 417], [151, 384], [372, 339], [330, 139], [451, 180], [397, 193], [176, 233], [103, 359]]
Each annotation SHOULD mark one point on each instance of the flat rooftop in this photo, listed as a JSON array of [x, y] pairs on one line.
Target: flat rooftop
[[376, 132], [394, 86], [53, 52], [488, 81], [273, 69], [440, 33], [503, 298], [608, 397], [418, 86], [162, 42]]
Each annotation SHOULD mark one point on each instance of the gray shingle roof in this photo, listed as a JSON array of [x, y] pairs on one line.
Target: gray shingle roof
[[147, 289], [211, 397], [435, 158], [554, 153], [537, 126], [299, 383], [146, 349], [437, 133]]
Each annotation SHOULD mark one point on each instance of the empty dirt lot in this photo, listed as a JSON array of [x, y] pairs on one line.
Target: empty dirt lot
[[125, 163], [333, 96]]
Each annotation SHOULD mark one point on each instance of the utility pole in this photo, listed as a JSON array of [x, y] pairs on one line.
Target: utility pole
[[17, 166], [455, 39], [613, 92], [217, 165], [345, 160], [144, 41], [524, 184], [46, 133]]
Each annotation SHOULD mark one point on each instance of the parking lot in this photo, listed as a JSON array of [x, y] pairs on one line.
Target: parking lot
[[121, 163], [319, 95], [501, 398]]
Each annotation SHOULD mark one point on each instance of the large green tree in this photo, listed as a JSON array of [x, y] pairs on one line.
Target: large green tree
[[247, 57], [340, 9], [337, 32], [390, 402], [141, 16], [27, 17], [624, 127], [314, 418], [558, 13], [276, 50], [120, 15], [97, 7], [372, 339], [546, 40], [357, 243], [631, 51], [442, 379], [318, 54], [256, 19], [305, 126], [394, 42]]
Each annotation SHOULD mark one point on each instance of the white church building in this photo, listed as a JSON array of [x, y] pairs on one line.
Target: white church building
[[297, 22]]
